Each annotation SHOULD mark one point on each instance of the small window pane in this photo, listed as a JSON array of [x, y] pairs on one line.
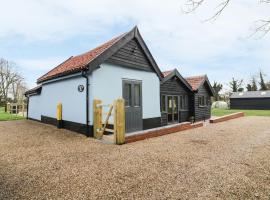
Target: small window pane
[[127, 95], [137, 95]]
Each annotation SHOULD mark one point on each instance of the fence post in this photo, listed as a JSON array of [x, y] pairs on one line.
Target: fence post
[[59, 116], [23, 109], [97, 118], [119, 121]]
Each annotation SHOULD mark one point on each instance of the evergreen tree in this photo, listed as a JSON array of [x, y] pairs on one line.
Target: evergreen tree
[[254, 84], [236, 85], [262, 82], [249, 87], [217, 88]]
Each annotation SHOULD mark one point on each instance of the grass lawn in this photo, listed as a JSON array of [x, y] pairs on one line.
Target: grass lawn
[[221, 112], [7, 117]]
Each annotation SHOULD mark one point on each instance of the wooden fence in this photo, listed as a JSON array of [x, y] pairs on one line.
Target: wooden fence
[[17, 109], [117, 111]]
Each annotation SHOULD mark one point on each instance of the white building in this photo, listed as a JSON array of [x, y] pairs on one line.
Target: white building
[[122, 67]]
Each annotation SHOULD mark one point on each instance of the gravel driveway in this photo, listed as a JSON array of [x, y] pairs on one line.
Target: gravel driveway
[[230, 160]]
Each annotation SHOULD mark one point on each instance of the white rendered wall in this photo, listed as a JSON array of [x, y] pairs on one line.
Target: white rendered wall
[[106, 85], [34, 110], [65, 92]]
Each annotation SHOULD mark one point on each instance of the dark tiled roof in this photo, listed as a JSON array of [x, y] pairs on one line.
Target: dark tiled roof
[[79, 62], [251, 94]]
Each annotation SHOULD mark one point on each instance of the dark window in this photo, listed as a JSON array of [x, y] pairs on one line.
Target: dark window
[[127, 94], [163, 103], [175, 109], [201, 101], [137, 95]]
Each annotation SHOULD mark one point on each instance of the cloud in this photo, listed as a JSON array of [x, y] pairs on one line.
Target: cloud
[[220, 48]]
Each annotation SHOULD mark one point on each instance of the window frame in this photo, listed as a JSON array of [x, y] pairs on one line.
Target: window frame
[[140, 94], [201, 101]]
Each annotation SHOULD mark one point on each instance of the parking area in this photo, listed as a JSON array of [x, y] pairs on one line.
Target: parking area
[[229, 160]]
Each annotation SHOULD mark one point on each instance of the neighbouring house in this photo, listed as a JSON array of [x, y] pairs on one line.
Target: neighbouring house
[[253, 100], [122, 67], [185, 99]]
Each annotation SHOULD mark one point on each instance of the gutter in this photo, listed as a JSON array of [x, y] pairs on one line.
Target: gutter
[[84, 74]]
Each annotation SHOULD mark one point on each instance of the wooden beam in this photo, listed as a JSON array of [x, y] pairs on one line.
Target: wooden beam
[[119, 121], [97, 118]]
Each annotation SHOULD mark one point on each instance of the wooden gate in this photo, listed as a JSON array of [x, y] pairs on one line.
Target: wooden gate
[[115, 110]]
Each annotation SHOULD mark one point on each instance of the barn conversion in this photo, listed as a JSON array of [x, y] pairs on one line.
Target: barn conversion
[[184, 99], [122, 67], [254, 100]]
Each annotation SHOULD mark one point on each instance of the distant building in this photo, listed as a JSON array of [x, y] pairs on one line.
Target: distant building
[[254, 100]]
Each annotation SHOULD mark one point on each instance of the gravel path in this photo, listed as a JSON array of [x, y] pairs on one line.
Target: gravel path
[[230, 160]]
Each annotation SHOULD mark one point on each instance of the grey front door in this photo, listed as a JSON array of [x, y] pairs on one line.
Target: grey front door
[[132, 93]]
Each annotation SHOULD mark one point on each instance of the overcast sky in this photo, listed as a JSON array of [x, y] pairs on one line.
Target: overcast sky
[[39, 34]]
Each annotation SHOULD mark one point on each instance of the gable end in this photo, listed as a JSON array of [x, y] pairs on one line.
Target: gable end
[[131, 55]]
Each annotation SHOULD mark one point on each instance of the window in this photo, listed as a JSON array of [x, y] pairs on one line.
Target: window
[[184, 102], [137, 95], [163, 103], [127, 97], [201, 101]]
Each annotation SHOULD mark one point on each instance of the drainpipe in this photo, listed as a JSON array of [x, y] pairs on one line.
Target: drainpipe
[[27, 107], [85, 75]]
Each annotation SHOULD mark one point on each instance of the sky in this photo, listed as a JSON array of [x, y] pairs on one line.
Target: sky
[[39, 34]]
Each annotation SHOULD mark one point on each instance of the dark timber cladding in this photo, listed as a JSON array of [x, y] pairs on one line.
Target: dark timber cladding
[[250, 103], [174, 86], [202, 112], [72, 126], [255, 100], [131, 55]]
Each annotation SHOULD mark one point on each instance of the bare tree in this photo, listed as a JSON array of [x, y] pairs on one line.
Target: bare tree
[[8, 77], [18, 88], [262, 25]]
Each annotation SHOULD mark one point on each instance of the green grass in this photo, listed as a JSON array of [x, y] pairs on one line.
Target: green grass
[[222, 112], [8, 117]]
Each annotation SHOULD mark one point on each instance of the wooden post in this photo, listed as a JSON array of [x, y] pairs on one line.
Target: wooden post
[[8, 108], [97, 118], [59, 116], [119, 121], [23, 109]]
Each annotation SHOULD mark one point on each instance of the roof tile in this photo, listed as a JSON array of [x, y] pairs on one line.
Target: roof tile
[[166, 73], [195, 81], [79, 62]]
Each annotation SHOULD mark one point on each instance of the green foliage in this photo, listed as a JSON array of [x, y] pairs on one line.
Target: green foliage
[[236, 85], [249, 87], [8, 117], [222, 112], [262, 82], [254, 84], [217, 88]]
